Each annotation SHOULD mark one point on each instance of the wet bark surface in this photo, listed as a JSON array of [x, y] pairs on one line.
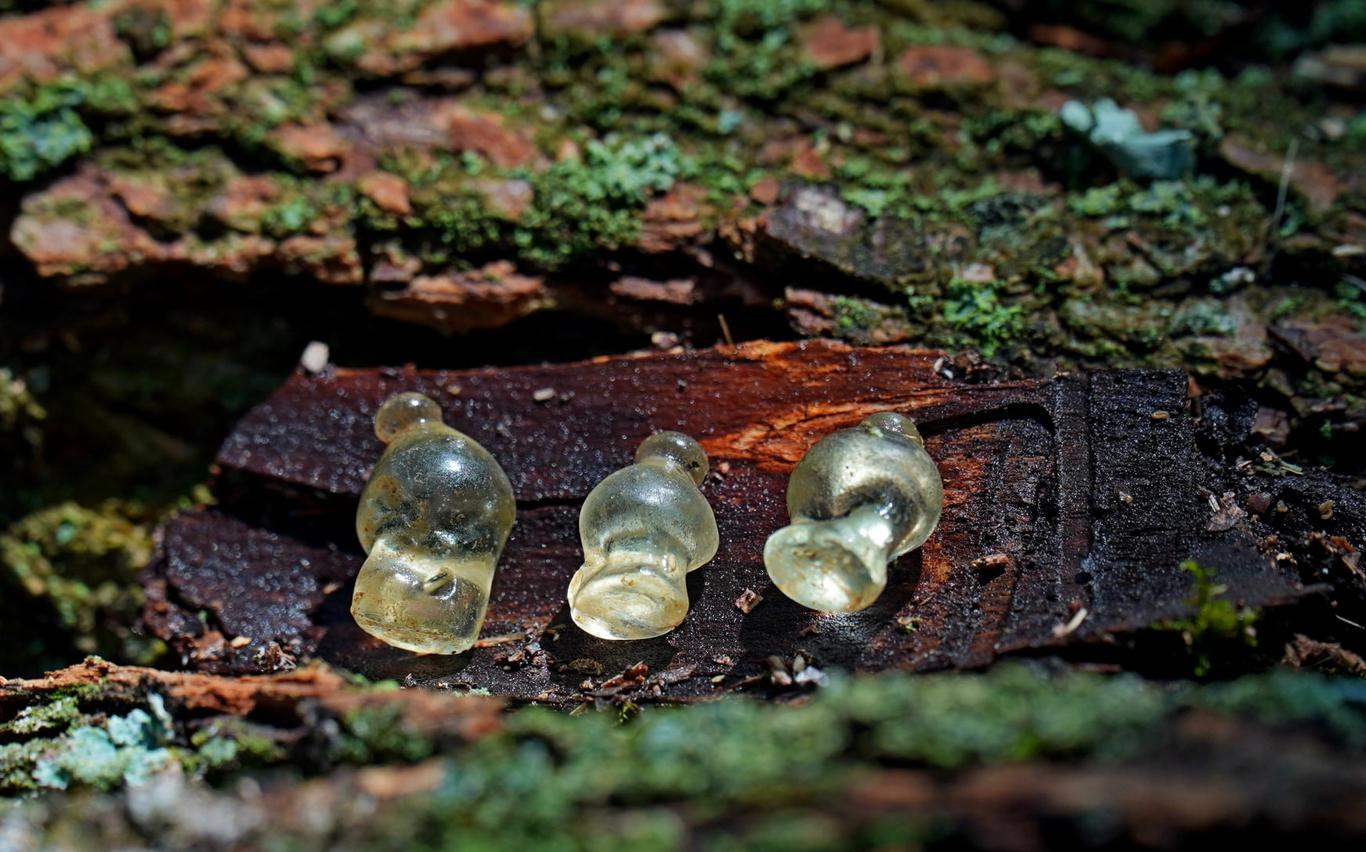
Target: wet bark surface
[[193, 190], [1070, 505]]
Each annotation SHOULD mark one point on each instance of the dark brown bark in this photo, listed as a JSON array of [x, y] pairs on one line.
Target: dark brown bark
[[1069, 506]]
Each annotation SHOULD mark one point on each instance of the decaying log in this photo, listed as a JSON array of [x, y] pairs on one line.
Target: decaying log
[[1069, 505], [1185, 768], [278, 703], [1156, 803]]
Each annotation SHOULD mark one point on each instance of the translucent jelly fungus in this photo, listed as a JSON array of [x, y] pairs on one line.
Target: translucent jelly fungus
[[433, 518], [858, 499], [643, 529]]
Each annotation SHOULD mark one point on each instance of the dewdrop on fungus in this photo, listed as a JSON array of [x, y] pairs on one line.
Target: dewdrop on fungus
[[433, 518], [858, 499], [643, 528]]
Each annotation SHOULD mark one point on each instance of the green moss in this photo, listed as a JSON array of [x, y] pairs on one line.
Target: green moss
[[80, 563], [42, 130], [300, 207], [997, 133], [43, 126], [334, 15], [551, 779], [1331, 22], [1215, 620], [147, 30], [230, 744], [579, 207], [1092, 79], [1350, 295], [378, 734], [1015, 714], [547, 773], [976, 311], [55, 716], [742, 18], [851, 313], [20, 411], [754, 54], [880, 188], [1336, 705], [289, 217], [1173, 203], [1203, 317]]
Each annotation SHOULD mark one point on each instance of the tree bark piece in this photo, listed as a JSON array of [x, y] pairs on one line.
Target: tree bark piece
[[1069, 505], [281, 699]]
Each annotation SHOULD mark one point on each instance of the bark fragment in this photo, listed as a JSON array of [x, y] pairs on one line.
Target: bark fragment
[[1031, 470]]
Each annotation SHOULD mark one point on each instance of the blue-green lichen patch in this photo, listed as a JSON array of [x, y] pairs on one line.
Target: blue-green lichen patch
[[68, 741], [57, 745], [730, 769], [96, 724], [127, 749], [739, 756]]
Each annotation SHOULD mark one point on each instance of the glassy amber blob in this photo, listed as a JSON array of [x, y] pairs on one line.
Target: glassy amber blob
[[643, 529], [434, 518], [858, 499]]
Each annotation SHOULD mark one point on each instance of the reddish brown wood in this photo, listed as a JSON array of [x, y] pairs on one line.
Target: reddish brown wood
[[1060, 496], [278, 703]]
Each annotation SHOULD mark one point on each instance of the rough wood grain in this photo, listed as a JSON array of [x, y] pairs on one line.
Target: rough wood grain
[[280, 704], [1061, 496]]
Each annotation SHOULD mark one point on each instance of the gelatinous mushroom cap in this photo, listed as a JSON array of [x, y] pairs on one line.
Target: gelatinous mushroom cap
[[678, 449], [403, 411], [889, 422]]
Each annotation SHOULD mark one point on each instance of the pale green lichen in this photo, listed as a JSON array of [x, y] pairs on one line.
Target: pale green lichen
[[1117, 133], [101, 752]]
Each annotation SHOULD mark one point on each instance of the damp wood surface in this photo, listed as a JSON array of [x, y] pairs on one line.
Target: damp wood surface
[[1070, 504]]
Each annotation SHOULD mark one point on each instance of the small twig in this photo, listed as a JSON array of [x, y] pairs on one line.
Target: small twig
[[1282, 192], [725, 330], [1061, 630], [491, 641]]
